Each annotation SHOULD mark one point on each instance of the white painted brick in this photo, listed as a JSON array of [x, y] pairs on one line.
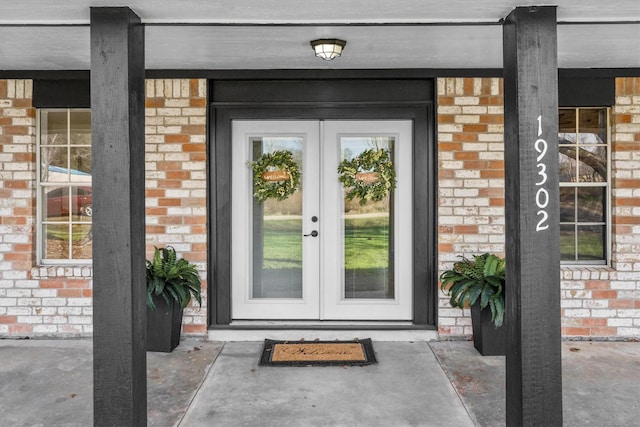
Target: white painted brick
[[54, 319], [603, 313], [168, 130], [474, 146], [195, 238], [577, 313], [30, 320], [463, 321], [80, 320], [632, 275], [475, 109], [467, 119], [18, 293], [194, 111], [181, 211], [54, 301], [69, 311], [450, 312], [195, 184], [490, 137], [449, 127], [78, 302], [450, 183], [45, 329], [596, 304], [634, 313], [44, 293], [14, 275], [477, 183], [465, 192], [170, 148], [27, 284], [169, 111], [19, 311], [449, 109], [476, 202], [176, 229], [153, 139], [177, 157], [620, 285], [466, 100], [194, 166], [619, 322], [176, 121], [570, 303]]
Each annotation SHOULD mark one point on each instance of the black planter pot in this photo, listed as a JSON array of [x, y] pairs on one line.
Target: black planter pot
[[487, 339], [163, 326]]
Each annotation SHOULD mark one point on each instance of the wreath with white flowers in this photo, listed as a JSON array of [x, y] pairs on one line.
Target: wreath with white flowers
[[275, 175], [370, 176]]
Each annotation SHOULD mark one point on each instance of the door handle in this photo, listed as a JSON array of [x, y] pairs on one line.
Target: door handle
[[314, 233]]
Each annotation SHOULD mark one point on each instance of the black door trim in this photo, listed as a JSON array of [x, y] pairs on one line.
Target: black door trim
[[318, 100]]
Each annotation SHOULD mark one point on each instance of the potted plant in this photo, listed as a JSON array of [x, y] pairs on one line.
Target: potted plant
[[479, 283], [171, 283]]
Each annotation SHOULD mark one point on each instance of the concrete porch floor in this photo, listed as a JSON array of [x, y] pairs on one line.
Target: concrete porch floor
[[204, 383]]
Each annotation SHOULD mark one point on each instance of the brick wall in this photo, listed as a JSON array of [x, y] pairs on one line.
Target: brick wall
[[597, 302], [470, 179], [33, 301], [176, 178], [57, 300]]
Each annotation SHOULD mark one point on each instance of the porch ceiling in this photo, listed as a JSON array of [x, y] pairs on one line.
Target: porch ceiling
[[275, 34]]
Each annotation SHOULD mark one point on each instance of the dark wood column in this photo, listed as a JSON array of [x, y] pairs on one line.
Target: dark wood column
[[117, 126], [534, 381]]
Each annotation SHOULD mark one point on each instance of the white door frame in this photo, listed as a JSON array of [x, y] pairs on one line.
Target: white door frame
[[323, 287], [334, 305], [243, 305]]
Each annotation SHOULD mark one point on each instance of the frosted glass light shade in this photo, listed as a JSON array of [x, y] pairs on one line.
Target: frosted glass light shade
[[328, 49]]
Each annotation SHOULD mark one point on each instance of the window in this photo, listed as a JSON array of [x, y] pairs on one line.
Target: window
[[64, 186], [584, 185]]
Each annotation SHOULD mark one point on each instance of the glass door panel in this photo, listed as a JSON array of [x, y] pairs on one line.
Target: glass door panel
[[368, 229], [277, 230], [274, 267], [366, 249]]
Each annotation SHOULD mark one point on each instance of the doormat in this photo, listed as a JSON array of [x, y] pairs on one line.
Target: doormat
[[318, 353]]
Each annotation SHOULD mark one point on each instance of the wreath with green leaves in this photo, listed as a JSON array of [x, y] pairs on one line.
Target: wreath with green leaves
[[280, 160], [376, 161]]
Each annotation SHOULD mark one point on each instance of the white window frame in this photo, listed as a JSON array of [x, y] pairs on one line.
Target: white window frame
[[606, 185], [40, 221]]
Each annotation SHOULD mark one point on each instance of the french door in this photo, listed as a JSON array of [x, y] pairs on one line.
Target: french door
[[314, 254]]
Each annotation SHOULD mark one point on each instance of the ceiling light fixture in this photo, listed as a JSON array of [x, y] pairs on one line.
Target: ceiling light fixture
[[328, 49]]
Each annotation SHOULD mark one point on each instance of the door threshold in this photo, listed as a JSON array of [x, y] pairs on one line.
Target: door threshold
[[321, 324], [288, 330]]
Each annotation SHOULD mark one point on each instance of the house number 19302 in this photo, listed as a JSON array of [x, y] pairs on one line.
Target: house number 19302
[[542, 195]]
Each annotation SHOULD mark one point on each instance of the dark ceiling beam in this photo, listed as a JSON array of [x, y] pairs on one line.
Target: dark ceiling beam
[[408, 73]]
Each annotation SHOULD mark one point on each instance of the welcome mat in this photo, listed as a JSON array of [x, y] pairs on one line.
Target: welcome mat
[[318, 353]]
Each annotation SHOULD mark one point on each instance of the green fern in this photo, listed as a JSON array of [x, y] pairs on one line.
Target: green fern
[[481, 278], [175, 280]]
